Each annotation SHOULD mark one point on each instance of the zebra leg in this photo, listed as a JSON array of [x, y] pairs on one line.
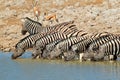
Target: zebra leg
[[88, 57], [112, 57], [99, 56], [81, 57]]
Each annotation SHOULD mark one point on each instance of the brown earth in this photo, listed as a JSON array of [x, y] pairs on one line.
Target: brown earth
[[89, 15]]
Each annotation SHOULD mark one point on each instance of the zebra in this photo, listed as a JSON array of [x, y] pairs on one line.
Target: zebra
[[51, 46], [26, 43], [94, 46], [30, 26], [34, 27], [82, 47], [42, 42], [111, 49], [65, 46]]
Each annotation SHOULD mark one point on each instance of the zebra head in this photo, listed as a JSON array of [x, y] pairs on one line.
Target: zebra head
[[68, 55], [88, 57], [37, 52], [55, 53], [17, 53]]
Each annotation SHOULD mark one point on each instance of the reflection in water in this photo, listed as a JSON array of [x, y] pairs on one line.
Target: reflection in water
[[28, 69]]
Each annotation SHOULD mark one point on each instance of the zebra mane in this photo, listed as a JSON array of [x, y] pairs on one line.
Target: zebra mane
[[33, 21], [23, 40]]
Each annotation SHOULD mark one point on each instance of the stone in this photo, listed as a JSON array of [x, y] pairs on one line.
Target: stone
[[7, 50]]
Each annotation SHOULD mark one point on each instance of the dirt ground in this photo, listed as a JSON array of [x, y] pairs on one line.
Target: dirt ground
[[89, 15]]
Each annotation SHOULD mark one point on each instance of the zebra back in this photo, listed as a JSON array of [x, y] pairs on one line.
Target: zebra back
[[30, 40], [42, 42], [34, 27]]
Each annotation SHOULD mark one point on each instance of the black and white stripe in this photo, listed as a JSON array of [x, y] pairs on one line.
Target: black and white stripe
[[34, 27], [82, 46], [30, 26], [112, 47], [94, 46], [65, 46], [26, 43], [42, 42]]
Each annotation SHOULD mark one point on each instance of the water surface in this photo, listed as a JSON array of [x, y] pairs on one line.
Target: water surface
[[27, 69]]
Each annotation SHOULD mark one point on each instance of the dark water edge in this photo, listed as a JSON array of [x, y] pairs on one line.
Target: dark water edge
[[26, 68]]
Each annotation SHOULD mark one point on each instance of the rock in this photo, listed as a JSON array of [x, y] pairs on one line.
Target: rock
[[58, 2], [7, 13], [7, 50], [77, 4]]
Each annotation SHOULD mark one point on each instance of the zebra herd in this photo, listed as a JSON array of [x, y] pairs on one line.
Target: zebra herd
[[64, 40]]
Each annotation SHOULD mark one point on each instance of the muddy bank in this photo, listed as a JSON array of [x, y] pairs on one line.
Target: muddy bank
[[89, 15]]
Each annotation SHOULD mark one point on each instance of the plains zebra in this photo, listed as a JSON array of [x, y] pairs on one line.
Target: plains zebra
[[33, 27], [42, 42], [112, 47], [52, 45], [94, 46], [65, 46], [30, 26], [26, 43], [82, 46]]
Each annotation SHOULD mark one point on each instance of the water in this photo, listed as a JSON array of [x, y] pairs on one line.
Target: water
[[28, 69]]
